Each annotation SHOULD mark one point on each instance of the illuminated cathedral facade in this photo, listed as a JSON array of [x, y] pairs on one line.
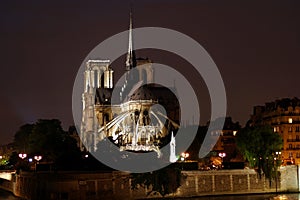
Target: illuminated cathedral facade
[[131, 115]]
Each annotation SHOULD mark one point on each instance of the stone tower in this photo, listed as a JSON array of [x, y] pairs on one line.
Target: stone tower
[[97, 74]]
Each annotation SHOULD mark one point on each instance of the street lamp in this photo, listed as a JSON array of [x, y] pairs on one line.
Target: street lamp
[[38, 158], [184, 156], [278, 154], [22, 155], [222, 155]]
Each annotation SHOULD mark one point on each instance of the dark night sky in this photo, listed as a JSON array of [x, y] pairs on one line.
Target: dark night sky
[[255, 44]]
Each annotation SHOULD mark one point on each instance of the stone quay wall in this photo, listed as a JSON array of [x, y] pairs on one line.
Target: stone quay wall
[[117, 185], [201, 183]]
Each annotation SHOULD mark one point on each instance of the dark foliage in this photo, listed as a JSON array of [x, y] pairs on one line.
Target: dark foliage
[[163, 181], [259, 145]]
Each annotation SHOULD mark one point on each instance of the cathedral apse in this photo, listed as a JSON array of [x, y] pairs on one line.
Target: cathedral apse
[[144, 117]]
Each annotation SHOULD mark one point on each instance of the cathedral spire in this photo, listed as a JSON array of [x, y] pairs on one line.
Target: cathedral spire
[[130, 60]]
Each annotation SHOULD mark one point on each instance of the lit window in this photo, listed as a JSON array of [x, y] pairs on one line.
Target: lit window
[[276, 129], [234, 133], [290, 120]]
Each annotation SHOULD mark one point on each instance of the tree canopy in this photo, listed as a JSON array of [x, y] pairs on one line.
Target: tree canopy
[[163, 181], [47, 138], [259, 145]]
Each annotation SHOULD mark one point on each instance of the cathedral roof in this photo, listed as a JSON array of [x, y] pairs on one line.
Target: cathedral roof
[[142, 93]]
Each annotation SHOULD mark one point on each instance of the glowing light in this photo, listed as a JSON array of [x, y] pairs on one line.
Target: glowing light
[[290, 120], [222, 155], [184, 156], [38, 158], [22, 155]]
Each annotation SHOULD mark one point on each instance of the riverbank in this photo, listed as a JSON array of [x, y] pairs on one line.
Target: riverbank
[[117, 185]]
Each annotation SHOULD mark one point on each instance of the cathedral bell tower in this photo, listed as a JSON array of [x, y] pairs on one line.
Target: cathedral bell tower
[[97, 74]]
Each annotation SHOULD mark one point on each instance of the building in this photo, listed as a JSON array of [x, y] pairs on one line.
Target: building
[[226, 142], [284, 116], [127, 115]]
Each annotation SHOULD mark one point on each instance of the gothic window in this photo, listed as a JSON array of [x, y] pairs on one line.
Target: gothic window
[[298, 155], [297, 137], [297, 129], [290, 146], [290, 154], [290, 129]]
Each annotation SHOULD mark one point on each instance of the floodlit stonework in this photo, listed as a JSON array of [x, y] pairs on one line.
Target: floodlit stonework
[[132, 120]]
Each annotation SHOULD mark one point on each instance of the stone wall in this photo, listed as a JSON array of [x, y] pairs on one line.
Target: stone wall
[[117, 185]]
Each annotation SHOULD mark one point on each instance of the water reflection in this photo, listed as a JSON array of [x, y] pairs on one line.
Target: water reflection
[[7, 196], [294, 196]]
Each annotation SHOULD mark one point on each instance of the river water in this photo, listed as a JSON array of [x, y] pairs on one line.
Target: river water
[[294, 196], [8, 196]]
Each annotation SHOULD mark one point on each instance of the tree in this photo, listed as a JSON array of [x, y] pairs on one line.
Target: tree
[[163, 181], [21, 138], [47, 138], [259, 145]]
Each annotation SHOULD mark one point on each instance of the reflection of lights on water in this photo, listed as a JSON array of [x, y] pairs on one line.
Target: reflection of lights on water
[[280, 197]]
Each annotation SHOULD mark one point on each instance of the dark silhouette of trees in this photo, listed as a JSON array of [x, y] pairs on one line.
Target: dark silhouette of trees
[[259, 145], [163, 181], [48, 139]]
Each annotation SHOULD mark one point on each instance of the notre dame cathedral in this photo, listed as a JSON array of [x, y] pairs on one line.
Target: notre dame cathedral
[[133, 121]]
